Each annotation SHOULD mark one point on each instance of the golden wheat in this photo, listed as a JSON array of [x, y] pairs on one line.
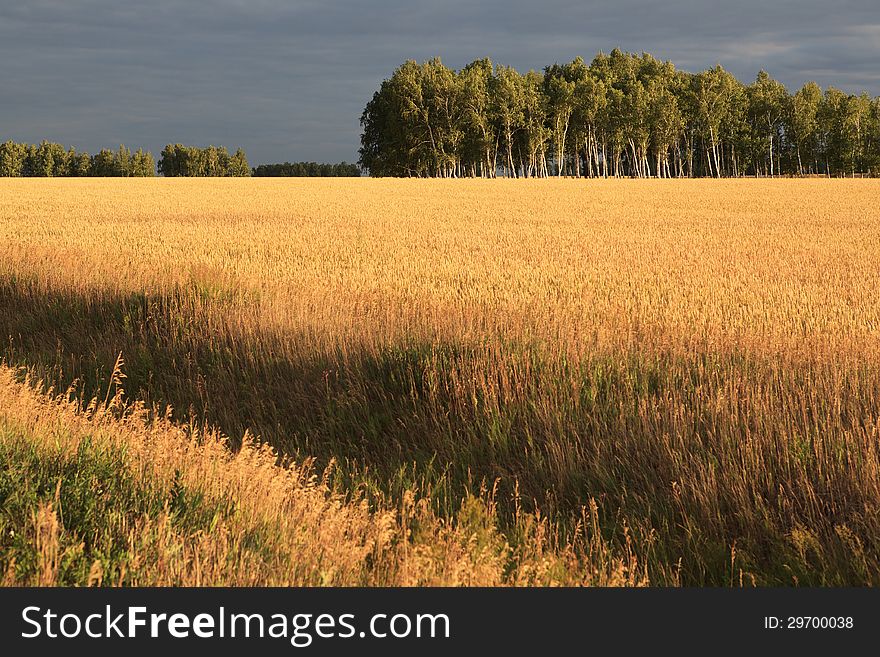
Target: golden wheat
[[281, 525], [701, 357]]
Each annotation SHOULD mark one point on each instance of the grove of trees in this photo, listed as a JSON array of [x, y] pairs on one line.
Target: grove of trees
[[178, 160], [308, 169], [49, 159], [622, 114]]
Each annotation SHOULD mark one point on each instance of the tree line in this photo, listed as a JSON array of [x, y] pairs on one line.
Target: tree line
[[623, 114], [308, 170], [179, 160], [48, 159]]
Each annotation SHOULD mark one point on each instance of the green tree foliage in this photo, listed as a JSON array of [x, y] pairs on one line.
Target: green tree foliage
[[534, 132], [307, 170], [237, 165], [190, 161], [717, 97], [802, 124], [768, 100], [480, 132], [48, 159], [560, 83], [623, 114], [142, 164], [509, 107], [104, 163], [12, 159]]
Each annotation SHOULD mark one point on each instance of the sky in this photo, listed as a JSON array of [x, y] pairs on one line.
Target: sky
[[288, 79]]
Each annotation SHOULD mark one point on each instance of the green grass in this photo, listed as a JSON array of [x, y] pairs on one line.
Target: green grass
[[98, 501]]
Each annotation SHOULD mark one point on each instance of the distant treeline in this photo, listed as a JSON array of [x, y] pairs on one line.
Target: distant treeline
[[179, 160], [48, 159], [620, 115], [308, 169]]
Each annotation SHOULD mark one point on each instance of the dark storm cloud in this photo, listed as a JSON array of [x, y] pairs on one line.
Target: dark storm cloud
[[288, 80]]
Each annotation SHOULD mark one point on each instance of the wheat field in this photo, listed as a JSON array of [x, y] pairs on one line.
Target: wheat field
[[603, 382]]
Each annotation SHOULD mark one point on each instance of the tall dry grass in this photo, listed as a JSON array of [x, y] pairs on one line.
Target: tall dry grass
[[698, 357], [98, 495]]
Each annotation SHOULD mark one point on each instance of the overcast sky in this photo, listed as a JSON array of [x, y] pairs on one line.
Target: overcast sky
[[288, 79]]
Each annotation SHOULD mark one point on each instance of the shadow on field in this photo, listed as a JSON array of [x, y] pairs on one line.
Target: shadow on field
[[448, 418], [402, 415], [715, 465]]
